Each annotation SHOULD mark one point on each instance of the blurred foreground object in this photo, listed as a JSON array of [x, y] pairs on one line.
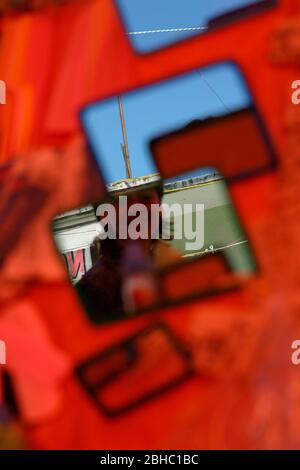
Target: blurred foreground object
[[11, 437], [36, 366], [34, 190], [25, 5]]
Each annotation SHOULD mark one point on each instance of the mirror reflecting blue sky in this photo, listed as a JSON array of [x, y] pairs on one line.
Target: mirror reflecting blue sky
[[147, 15], [158, 109]]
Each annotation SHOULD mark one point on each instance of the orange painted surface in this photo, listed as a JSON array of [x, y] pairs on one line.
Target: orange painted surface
[[59, 60]]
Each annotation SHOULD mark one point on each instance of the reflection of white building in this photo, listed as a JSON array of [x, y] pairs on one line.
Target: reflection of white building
[[76, 232]]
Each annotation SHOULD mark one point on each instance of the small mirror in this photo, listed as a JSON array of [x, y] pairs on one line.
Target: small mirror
[[151, 25]]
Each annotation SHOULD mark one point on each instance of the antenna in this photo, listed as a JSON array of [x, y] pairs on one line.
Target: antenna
[[124, 146]]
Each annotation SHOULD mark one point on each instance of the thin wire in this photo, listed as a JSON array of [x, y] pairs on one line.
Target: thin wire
[[215, 92], [167, 30], [215, 250]]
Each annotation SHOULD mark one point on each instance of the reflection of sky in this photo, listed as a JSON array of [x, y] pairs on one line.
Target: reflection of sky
[[141, 15], [156, 110]]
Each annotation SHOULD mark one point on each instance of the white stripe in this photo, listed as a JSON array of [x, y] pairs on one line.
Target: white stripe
[[170, 30], [215, 249]]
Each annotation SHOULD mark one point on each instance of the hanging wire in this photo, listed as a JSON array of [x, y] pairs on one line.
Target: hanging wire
[[209, 85], [212, 249], [168, 30]]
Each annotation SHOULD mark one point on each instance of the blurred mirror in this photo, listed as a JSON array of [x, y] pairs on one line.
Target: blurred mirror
[[151, 27], [236, 143]]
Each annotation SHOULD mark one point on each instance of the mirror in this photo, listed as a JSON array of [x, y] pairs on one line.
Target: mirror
[[223, 138], [168, 232], [150, 27], [152, 111]]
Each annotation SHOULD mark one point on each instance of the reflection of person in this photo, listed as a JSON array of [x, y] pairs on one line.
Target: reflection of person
[[100, 287], [122, 280]]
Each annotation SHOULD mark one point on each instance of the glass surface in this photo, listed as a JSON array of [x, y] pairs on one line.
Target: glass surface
[[174, 20]]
